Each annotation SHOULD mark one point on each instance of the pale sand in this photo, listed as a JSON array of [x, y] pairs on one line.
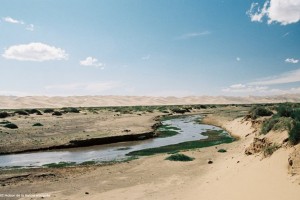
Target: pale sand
[[232, 176], [10, 102]]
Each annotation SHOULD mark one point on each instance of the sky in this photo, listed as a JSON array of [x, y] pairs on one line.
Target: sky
[[149, 48]]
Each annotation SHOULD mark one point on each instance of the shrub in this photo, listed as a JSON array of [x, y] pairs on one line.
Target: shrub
[[269, 150], [34, 111], [21, 112], [296, 114], [222, 150], [3, 114], [260, 112], [70, 110], [11, 126], [178, 110], [284, 110], [179, 157], [294, 134], [268, 125], [37, 124], [48, 110], [57, 113]]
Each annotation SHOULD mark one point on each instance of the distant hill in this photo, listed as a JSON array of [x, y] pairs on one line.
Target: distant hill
[[7, 102]]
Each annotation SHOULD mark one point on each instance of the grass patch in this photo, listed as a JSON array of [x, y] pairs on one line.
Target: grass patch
[[59, 165], [214, 138], [37, 124], [91, 162], [179, 157], [167, 131]]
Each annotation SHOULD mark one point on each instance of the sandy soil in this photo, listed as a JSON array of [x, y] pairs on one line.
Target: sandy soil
[[233, 175], [10, 102], [59, 130]]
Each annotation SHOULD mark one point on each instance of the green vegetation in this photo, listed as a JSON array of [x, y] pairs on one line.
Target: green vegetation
[[70, 110], [59, 165], [34, 111], [214, 138], [179, 157], [259, 111], [286, 118], [3, 114], [294, 134], [167, 131], [48, 110], [11, 126], [21, 112], [91, 162], [37, 124], [222, 150], [270, 150]]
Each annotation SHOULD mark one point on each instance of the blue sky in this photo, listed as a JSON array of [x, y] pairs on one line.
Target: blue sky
[[151, 48]]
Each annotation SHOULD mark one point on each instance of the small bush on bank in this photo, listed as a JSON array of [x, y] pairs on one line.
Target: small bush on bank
[[11, 126], [21, 112], [48, 110], [3, 114], [268, 125], [179, 157], [284, 110], [34, 111], [294, 134], [222, 150], [260, 112], [37, 124], [268, 151], [70, 110]]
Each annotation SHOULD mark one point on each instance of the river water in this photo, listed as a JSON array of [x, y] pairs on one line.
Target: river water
[[188, 128]]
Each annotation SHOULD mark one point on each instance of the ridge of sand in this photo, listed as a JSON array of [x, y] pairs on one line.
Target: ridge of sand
[[13, 102]]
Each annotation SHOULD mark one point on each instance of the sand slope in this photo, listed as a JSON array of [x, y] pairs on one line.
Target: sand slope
[[7, 102]]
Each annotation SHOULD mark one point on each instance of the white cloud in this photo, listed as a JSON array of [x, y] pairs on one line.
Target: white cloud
[[35, 52], [288, 77], [147, 57], [240, 88], [86, 87], [280, 11], [291, 60], [193, 35], [90, 61], [13, 21], [30, 27], [238, 59]]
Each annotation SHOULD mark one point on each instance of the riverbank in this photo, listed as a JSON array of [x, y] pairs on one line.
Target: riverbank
[[233, 175], [86, 128]]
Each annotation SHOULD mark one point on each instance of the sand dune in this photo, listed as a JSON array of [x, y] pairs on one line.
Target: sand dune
[[7, 102]]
